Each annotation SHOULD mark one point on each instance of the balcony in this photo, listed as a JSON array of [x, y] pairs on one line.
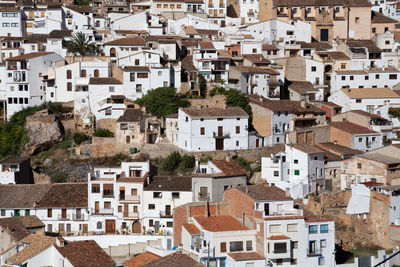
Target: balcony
[[165, 214], [108, 194], [103, 211], [204, 196], [130, 215], [314, 252], [221, 135], [64, 218], [129, 198], [78, 217]]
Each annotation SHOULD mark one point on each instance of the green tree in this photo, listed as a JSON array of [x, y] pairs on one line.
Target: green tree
[[99, 132], [162, 101], [235, 98], [171, 162], [81, 44], [187, 162], [202, 85]]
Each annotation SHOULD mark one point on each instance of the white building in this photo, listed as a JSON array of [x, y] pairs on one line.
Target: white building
[[209, 129], [160, 197], [43, 20], [11, 22], [300, 169], [15, 170], [25, 87]]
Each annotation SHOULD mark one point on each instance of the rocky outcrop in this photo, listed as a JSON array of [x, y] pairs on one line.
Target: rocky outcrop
[[43, 131]]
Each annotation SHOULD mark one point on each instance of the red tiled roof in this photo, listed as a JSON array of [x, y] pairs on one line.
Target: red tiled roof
[[141, 259], [191, 228], [127, 41], [220, 223], [245, 256], [207, 45], [29, 56], [350, 127]]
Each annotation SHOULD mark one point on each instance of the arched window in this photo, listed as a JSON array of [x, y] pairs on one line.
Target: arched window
[[99, 225], [83, 73], [112, 52], [96, 73]]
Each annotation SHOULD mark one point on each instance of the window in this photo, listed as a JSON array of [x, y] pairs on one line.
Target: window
[[343, 66], [99, 225], [236, 246], [373, 139], [324, 228], [83, 73], [366, 77], [138, 88], [296, 161], [373, 30], [280, 247], [49, 213], [50, 228], [95, 188], [151, 223], [170, 224], [351, 78], [111, 89], [387, 42], [313, 229], [279, 261], [223, 246], [357, 20], [249, 245], [377, 76], [359, 165], [119, 208], [137, 62], [237, 143], [157, 194], [202, 131], [152, 206], [123, 126], [238, 129], [292, 227], [323, 243], [296, 172], [175, 194], [178, 6], [313, 68], [69, 74], [392, 76], [142, 75], [386, 29], [276, 173], [132, 76], [293, 261], [3, 212], [158, 5], [358, 100], [321, 261], [295, 244], [69, 86], [343, 78], [275, 228], [27, 212]]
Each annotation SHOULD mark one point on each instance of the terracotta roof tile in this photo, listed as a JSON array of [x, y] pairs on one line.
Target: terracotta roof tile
[[351, 128], [18, 227], [377, 17], [246, 256], [141, 259], [23, 196], [302, 87], [256, 58], [176, 259], [206, 45], [59, 34], [262, 192], [285, 105], [215, 112], [137, 68], [132, 115], [36, 244], [269, 47], [85, 254], [258, 70], [220, 223], [71, 195], [308, 149], [80, 9], [228, 168], [338, 149], [29, 56], [127, 41], [338, 55], [191, 228], [170, 183], [104, 80], [370, 93]]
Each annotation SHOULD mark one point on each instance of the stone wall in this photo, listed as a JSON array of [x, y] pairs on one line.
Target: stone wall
[[103, 146]]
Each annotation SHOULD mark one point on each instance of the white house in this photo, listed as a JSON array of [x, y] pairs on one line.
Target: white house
[[25, 87], [11, 21], [160, 197], [209, 129], [15, 170], [300, 169], [43, 20]]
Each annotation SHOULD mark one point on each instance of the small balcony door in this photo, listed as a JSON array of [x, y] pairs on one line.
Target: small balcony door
[[64, 213], [220, 130], [167, 209], [96, 207]]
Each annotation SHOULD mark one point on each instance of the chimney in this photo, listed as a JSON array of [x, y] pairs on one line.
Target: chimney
[[199, 107], [228, 157], [303, 103], [247, 190], [261, 99], [287, 192], [335, 142], [243, 218], [207, 209]]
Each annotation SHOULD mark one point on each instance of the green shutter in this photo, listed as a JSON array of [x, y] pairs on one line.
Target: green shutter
[[296, 172]]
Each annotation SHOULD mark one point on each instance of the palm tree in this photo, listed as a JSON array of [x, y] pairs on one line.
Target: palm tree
[[80, 44]]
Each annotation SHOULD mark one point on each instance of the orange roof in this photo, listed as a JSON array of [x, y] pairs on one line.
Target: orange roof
[[284, 218], [29, 56], [278, 237], [191, 228], [141, 259], [245, 256], [220, 223]]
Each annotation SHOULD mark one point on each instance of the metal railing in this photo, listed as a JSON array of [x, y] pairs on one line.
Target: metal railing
[[129, 197], [78, 217], [103, 211], [204, 196], [127, 214], [314, 252], [165, 214], [64, 218]]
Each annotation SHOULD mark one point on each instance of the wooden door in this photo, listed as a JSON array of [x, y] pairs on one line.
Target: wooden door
[[128, 139], [136, 227], [64, 213], [126, 211], [220, 130], [167, 209], [85, 228], [61, 228], [219, 144], [110, 226], [257, 142], [96, 207]]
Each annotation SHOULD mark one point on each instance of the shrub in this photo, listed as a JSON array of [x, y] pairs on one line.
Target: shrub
[[187, 162], [171, 162], [116, 159], [80, 137], [60, 177], [99, 132]]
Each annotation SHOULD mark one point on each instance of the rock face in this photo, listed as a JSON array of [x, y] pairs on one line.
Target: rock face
[[43, 130]]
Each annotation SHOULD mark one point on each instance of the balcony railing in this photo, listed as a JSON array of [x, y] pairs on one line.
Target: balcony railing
[[78, 217], [129, 198], [314, 252], [204, 196], [164, 214], [108, 194], [130, 214], [103, 211], [280, 251], [221, 135], [64, 218]]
